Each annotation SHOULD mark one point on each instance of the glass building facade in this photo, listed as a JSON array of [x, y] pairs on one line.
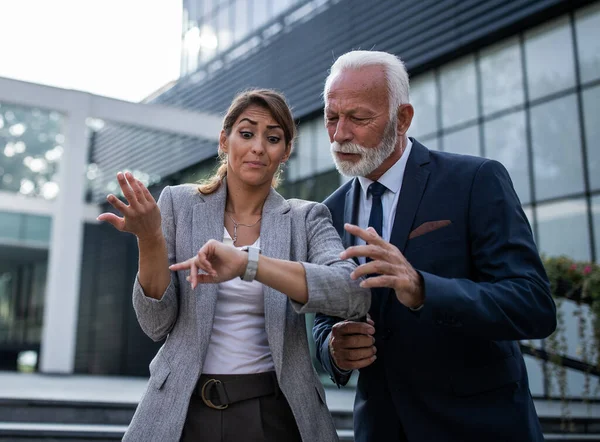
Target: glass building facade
[[30, 152], [228, 29]]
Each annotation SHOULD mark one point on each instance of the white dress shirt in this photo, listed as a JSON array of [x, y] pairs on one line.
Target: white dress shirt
[[392, 180]]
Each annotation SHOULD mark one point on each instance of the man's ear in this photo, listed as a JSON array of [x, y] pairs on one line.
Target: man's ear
[[223, 142], [405, 115]]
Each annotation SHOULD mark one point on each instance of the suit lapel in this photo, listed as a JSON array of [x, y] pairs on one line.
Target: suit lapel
[[207, 223], [351, 212], [275, 234], [413, 186]]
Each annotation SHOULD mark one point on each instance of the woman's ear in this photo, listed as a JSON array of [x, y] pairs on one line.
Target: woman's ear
[[223, 142], [286, 155]]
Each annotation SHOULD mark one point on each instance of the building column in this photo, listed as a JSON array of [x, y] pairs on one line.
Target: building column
[[59, 330]]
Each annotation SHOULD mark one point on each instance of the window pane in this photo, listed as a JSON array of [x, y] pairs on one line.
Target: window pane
[[431, 143], [588, 42], [423, 97], [225, 33], [321, 146], [563, 229], [260, 13], [459, 92], [506, 141], [37, 228], [242, 19], [549, 57], [529, 214], [556, 148], [11, 225], [208, 6], [591, 116], [596, 214], [465, 141], [31, 145], [280, 5], [300, 165], [501, 76]]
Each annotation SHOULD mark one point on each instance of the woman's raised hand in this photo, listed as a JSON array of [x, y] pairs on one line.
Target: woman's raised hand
[[142, 216], [219, 262]]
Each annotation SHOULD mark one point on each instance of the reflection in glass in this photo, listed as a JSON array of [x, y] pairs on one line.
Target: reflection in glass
[[431, 143], [596, 218], [423, 97], [225, 33], [242, 19], [549, 58], [587, 23], [529, 214], [591, 118], [506, 141], [11, 225], [556, 148], [501, 76], [465, 141], [208, 40], [459, 92], [304, 151], [260, 13], [281, 5], [324, 160], [563, 229], [30, 150]]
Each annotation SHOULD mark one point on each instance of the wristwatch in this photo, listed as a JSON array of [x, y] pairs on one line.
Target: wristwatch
[[252, 265]]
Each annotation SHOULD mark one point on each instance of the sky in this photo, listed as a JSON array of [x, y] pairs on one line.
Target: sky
[[124, 49]]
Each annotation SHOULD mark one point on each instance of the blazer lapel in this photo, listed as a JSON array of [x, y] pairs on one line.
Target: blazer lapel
[[351, 213], [275, 234], [413, 186], [207, 223]]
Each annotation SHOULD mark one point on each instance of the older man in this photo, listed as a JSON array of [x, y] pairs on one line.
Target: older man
[[455, 275]]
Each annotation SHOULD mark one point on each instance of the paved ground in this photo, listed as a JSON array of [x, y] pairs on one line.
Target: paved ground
[[108, 389], [130, 389]]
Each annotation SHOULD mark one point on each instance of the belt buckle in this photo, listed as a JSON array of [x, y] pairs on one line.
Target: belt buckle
[[207, 401]]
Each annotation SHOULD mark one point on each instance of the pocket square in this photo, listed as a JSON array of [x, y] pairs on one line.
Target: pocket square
[[429, 226]]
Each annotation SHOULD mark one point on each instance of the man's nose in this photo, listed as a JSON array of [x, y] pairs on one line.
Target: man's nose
[[342, 133]]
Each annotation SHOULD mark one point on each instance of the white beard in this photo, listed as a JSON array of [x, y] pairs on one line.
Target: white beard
[[370, 158]]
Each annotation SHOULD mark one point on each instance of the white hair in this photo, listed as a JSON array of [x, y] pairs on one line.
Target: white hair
[[395, 72]]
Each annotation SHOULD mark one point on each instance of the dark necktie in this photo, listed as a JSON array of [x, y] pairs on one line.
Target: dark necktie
[[376, 189]]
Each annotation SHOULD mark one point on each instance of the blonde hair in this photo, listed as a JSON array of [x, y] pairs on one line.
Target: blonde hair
[[268, 99]]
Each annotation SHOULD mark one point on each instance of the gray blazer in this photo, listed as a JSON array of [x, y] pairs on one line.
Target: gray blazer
[[291, 229]]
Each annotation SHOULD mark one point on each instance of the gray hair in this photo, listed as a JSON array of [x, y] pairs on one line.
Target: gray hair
[[395, 72]]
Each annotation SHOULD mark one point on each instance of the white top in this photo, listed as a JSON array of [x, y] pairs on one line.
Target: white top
[[238, 342], [392, 179]]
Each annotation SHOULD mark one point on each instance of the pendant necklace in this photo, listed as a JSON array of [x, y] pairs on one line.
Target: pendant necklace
[[236, 224]]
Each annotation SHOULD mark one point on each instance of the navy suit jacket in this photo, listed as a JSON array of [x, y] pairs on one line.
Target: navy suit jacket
[[453, 370]]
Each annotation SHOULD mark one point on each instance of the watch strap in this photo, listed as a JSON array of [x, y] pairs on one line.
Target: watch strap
[[252, 266]]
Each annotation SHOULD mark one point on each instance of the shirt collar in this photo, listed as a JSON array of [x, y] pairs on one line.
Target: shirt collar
[[392, 178]]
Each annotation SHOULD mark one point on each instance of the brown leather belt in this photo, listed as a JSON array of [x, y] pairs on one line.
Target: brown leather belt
[[219, 391]]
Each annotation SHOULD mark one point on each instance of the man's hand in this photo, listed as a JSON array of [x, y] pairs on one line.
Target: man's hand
[[352, 345], [389, 263]]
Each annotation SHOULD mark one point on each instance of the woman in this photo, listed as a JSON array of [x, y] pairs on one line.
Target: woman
[[235, 365]]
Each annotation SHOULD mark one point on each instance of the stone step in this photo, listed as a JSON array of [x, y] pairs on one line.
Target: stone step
[[42, 411], [29, 432]]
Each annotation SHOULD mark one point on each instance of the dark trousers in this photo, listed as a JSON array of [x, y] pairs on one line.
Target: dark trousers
[[263, 419]]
